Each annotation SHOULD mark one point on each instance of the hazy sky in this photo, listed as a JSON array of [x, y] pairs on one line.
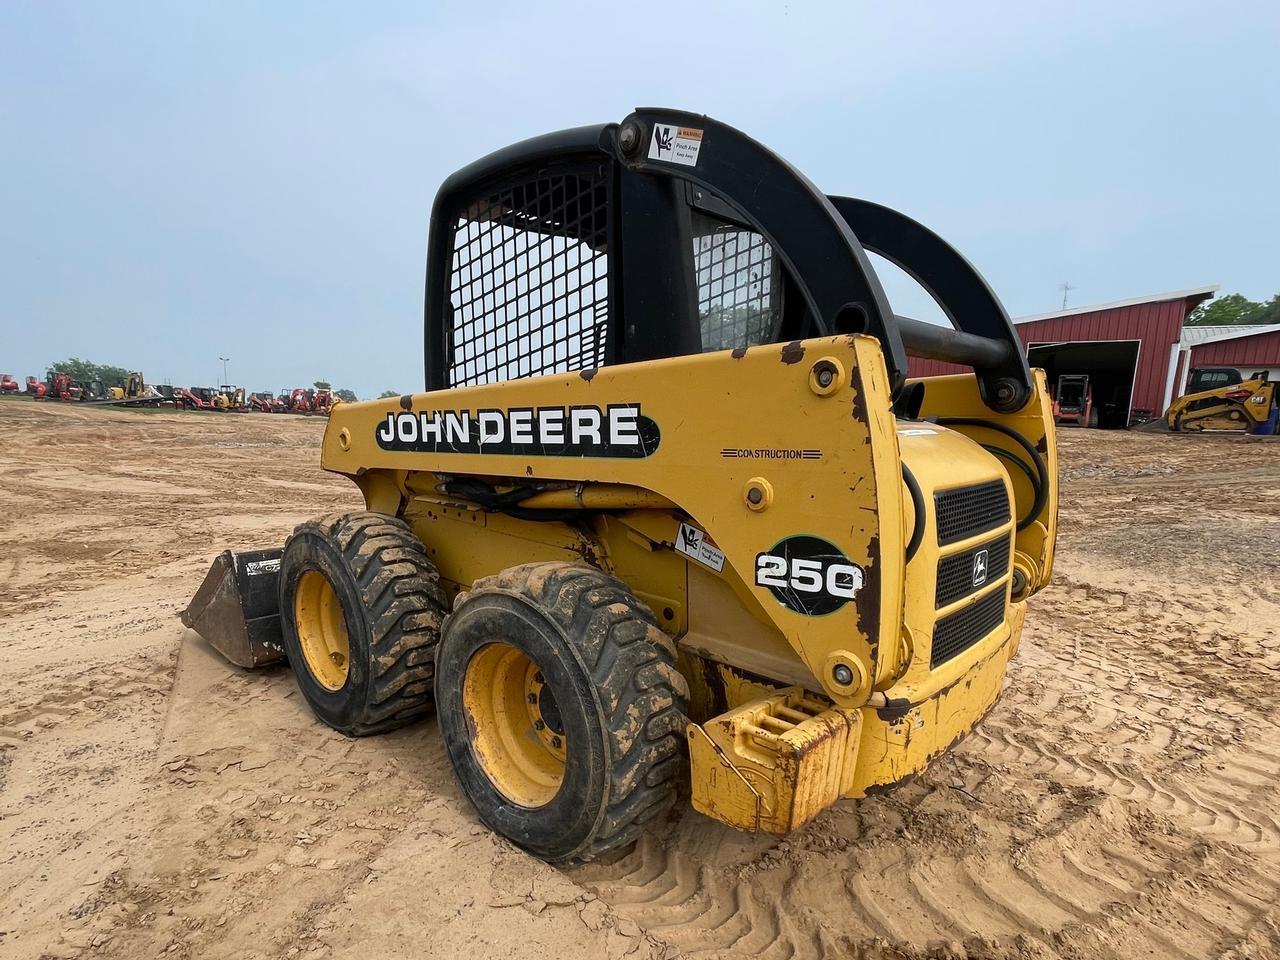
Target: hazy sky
[[181, 181]]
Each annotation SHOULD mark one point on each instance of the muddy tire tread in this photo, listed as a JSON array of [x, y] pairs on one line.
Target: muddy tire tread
[[631, 661], [404, 604]]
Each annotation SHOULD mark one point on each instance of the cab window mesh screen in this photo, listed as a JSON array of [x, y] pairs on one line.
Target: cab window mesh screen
[[739, 284], [528, 284]]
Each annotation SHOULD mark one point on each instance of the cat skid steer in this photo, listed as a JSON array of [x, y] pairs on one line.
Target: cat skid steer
[[669, 508], [1219, 399]]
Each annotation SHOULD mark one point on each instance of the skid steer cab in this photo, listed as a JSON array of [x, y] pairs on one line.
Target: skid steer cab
[[669, 509]]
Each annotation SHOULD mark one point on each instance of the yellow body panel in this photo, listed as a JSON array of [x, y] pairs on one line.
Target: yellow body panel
[[749, 452], [758, 403], [896, 745], [957, 397]]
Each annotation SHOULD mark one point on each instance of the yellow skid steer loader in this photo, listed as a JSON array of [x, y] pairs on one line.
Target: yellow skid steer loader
[[1220, 399], [669, 507]]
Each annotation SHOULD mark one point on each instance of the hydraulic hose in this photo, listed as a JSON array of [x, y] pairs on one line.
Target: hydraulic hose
[[917, 501], [1039, 482]]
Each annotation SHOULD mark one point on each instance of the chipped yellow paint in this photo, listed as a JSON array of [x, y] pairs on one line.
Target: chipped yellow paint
[[774, 764], [702, 405], [748, 768]]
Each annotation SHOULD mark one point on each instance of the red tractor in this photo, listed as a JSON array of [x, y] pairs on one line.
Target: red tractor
[[58, 386], [7, 383], [300, 400], [197, 398], [322, 402], [33, 385], [262, 402]]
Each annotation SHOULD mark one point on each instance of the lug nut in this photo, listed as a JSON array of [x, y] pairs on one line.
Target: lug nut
[[555, 742], [842, 675], [539, 725], [825, 376], [533, 698]]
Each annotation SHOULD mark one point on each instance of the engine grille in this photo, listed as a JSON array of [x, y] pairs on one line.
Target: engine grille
[[958, 632], [959, 576], [967, 511]]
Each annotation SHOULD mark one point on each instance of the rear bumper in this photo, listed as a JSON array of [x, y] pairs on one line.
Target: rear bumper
[[775, 763], [900, 740]]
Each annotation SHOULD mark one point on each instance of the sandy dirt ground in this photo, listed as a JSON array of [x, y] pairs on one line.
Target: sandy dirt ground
[[1121, 800]]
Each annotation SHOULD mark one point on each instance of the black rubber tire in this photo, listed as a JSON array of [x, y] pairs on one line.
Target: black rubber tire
[[393, 606], [621, 699]]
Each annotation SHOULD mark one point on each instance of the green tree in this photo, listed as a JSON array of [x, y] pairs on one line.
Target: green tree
[[346, 396], [1235, 309], [385, 394], [85, 370], [321, 384]]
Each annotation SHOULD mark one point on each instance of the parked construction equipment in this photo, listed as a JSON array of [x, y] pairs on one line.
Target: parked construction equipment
[[196, 398], [262, 401], [669, 501], [322, 401], [58, 386], [1219, 399], [300, 400], [1073, 403], [134, 387], [230, 397], [7, 383]]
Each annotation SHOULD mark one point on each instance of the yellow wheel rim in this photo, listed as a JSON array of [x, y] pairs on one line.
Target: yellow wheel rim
[[322, 630], [516, 729]]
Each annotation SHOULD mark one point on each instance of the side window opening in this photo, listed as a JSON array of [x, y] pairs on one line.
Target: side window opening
[[740, 284], [528, 284]]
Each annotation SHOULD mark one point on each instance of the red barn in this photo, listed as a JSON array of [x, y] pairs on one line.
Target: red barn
[[1129, 350]]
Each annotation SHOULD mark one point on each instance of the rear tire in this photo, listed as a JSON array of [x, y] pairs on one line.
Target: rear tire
[[360, 610], [596, 753]]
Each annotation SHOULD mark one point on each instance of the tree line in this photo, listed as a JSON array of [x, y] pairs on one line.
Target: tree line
[[1233, 309]]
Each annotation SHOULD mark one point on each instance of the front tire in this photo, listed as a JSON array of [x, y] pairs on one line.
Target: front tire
[[360, 609], [561, 709]]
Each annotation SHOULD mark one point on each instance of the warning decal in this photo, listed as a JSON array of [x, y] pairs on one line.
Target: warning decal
[[694, 543], [675, 144]]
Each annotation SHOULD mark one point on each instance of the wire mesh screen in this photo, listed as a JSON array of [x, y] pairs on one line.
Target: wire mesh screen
[[738, 285], [528, 281]]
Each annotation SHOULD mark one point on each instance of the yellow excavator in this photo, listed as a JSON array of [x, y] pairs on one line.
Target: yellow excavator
[[669, 507], [1220, 399]]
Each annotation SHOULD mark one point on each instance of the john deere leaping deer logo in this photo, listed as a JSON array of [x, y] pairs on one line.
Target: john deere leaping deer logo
[[980, 568]]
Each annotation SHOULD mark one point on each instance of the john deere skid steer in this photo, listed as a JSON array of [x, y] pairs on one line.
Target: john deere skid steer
[[669, 509]]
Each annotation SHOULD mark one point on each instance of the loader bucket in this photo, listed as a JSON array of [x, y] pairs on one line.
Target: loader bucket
[[236, 608]]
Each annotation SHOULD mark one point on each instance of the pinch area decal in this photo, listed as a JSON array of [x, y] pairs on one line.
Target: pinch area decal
[[808, 575], [694, 543], [620, 430], [675, 144]]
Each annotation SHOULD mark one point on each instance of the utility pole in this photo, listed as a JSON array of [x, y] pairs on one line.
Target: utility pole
[[1065, 288], [225, 360]]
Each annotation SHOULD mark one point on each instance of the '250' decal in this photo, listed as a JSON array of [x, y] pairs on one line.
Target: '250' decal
[[808, 575]]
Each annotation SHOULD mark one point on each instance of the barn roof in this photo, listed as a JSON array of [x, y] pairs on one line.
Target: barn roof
[[1194, 297], [1197, 336]]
